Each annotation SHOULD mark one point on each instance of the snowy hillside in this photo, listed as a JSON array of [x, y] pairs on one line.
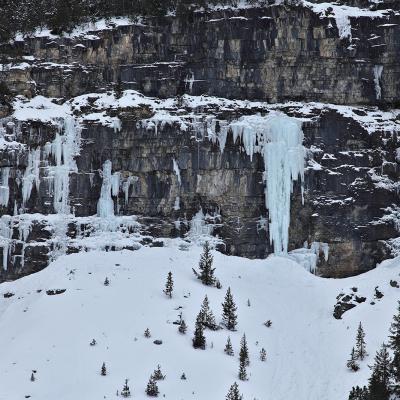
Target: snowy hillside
[[307, 348]]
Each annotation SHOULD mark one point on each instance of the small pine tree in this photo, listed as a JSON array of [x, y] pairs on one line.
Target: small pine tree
[[207, 315], [106, 282], [378, 384], [351, 362], [206, 274], [394, 344], [360, 352], [234, 393], [157, 374], [183, 376], [169, 285], [199, 340], [103, 371], [33, 377], [152, 388], [125, 392], [229, 317], [182, 327], [358, 393], [228, 347], [248, 303], [244, 351], [242, 371], [93, 342], [394, 337], [147, 333], [263, 354]]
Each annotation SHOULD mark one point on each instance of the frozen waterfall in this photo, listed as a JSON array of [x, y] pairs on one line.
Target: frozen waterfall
[[105, 205], [279, 139]]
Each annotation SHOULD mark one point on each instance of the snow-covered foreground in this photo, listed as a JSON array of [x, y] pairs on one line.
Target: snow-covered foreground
[[306, 347]]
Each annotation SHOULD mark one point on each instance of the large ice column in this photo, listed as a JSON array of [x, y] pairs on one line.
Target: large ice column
[[378, 69], [278, 138], [284, 163], [4, 188], [64, 148], [105, 205], [31, 175]]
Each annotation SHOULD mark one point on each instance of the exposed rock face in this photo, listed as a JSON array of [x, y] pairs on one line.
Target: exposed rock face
[[272, 54]]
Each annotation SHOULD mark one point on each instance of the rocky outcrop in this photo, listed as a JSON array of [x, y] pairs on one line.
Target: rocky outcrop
[[273, 54]]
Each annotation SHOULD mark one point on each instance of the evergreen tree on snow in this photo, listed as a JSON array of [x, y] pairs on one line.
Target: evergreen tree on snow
[[263, 354], [229, 317], [125, 392], [244, 351], [103, 371], [33, 377], [358, 393], [361, 351], [147, 333], [157, 374], [206, 274], [228, 347], [234, 393], [207, 315], [169, 285], [242, 370], [351, 362], [199, 340], [394, 337], [379, 381], [106, 282], [394, 344], [152, 388], [183, 376], [182, 327]]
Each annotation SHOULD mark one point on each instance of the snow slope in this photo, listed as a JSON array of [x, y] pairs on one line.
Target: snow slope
[[306, 347]]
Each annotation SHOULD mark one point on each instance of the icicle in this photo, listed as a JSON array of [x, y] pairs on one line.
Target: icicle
[[177, 203], [4, 189], [105, 205], [31, 175], [115, 183], [177, 171], [126, 185], [6, 229], [378, 69]]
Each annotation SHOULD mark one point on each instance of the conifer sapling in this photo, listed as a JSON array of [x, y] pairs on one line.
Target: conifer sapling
[[263, 354], [157, 374], [228, 347], [125, 392], [147, 333], [182, 327], [169, 285], [103, 371], [360, 352], [152, 388], [351, 362]]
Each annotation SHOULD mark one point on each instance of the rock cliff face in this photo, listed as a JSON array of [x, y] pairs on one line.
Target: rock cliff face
[[177, 159]]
